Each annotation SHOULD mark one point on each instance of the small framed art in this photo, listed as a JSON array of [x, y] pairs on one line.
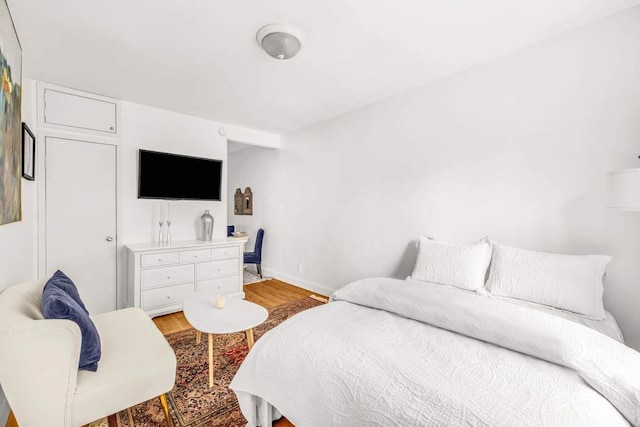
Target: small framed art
[[28, 153]]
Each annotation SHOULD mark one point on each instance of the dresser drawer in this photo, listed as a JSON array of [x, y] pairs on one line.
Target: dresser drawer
[[226, 253], [165, 296], [195, 256], [213, 269], [165, 276], [224, 285], [153, 260]]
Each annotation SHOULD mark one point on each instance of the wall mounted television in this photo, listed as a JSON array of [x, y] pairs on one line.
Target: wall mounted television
[[177, 177]]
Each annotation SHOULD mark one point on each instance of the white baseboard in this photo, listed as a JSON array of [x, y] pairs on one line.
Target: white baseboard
[[310, 286], [4, 409]]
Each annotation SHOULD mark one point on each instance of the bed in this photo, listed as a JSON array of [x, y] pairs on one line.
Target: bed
[[389, 352]]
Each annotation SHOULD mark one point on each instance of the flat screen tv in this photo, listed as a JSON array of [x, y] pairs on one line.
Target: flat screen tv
[[177, 177]]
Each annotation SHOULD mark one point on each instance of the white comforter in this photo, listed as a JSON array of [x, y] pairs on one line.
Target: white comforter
[[403, 353]]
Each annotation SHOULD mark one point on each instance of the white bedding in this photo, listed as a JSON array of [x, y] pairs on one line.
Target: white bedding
[[607, 326], [383, 354]]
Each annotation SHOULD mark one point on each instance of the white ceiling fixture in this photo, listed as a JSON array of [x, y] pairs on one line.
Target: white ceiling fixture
[[280, 41], [207, 64]]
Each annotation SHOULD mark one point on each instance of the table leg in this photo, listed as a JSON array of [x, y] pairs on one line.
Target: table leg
[[210, 360], [198, 337], [250, 340]]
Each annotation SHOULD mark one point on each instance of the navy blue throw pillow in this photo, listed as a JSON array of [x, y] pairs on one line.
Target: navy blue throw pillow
[[57, 304], [62, 281]]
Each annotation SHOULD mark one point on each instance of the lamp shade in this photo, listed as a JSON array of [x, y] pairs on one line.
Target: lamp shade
[[624, 190]]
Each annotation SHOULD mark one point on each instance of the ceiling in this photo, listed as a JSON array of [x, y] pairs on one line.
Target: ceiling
[[200, 57]]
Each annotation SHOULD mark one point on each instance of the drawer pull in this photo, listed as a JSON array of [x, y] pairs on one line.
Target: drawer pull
[[168, 296], [168, 277]]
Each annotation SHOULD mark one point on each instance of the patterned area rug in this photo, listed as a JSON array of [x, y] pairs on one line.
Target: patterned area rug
[[249, 277], [191, 402]]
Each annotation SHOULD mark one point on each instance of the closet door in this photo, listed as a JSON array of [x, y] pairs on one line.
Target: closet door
[[81, 217], [80, 112], [72, 110]]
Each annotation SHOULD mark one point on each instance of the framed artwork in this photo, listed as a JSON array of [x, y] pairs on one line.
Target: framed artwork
[[28, 153], [10, 119], [237, 202]]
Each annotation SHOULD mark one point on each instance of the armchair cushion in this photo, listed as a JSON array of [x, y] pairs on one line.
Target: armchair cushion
[[137, 365], [57, 304], [64, 282]]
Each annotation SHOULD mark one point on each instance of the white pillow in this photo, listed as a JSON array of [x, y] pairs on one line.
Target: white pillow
[[567, 282], [460, 266]]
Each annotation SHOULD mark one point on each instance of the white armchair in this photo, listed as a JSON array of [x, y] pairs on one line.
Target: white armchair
[[39, 363]]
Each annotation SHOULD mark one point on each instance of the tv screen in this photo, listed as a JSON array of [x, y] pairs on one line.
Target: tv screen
[[172, 176]]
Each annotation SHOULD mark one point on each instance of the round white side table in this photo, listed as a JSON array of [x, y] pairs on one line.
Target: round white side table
[[237, 315]]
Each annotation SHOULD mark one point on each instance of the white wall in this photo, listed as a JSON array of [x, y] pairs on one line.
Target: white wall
[[516, 148], [161, 130]]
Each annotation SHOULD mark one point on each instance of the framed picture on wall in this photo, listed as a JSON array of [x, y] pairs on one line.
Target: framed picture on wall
[[10, 119], [238, 198], [28, 153]]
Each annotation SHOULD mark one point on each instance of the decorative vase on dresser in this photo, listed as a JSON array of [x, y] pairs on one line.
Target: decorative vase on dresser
[[207, 226], [160, 277]]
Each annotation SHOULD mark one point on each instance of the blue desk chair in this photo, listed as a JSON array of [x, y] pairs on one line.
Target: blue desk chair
[[255, 257]]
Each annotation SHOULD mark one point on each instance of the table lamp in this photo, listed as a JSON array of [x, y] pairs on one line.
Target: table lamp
[[624, 190]]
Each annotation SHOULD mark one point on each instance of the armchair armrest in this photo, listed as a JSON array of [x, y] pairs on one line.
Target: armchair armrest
[[39, 369]]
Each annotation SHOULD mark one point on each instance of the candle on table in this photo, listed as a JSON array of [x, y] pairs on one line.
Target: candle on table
[[220, 301]]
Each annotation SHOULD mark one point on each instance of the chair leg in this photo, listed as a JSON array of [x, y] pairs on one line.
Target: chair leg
[[259, 268], [165, 409], [11, 421]]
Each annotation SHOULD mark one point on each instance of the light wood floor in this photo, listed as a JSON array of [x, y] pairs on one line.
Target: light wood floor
[[269, 293]]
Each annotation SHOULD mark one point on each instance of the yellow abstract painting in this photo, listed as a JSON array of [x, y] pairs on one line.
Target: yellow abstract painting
[[10, 120]]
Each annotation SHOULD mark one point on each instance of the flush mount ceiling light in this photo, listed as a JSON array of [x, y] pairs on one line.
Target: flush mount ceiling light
[[280, 41]]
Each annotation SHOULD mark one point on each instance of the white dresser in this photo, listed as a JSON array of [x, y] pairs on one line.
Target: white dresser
[[160, 276]]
